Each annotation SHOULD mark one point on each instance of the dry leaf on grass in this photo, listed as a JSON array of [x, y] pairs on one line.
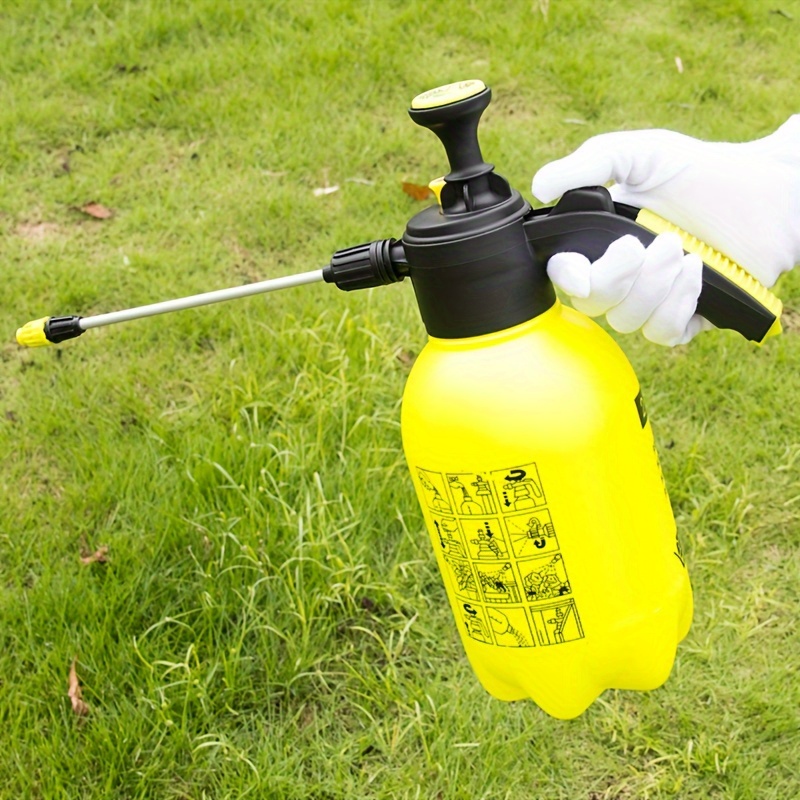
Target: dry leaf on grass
[[417, 191], [74, 693], [406, 358], [99, 556], [96, 211]]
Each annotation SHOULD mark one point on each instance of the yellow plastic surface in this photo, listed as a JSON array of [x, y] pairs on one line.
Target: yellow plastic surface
[[450, 93], [31, 334], [721, 264], [537, 473], [436, 186]]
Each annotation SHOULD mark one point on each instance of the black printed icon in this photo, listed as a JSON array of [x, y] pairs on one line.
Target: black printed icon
[[556, 623], [532, 533], [477, 627], [519, 488], [464, 502], [463, 579], [485, 538], [433, 485], [510, 626], [483, 495], [498, 583], [545, 578], [448, 534]]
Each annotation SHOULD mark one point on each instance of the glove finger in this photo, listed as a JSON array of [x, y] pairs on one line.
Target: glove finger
[[612, 276], [635, 158], [570, 273], [674, 321], [597, 161], [662, 264]]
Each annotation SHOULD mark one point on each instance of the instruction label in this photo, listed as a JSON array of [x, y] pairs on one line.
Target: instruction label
[[501, 556]]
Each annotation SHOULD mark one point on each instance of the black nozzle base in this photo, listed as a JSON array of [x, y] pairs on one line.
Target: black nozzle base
[[59, 329]]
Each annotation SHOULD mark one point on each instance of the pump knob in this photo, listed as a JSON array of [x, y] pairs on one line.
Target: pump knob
[[452, 112]]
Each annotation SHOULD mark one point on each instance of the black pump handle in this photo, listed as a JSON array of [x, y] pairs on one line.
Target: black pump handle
[[456, 124]]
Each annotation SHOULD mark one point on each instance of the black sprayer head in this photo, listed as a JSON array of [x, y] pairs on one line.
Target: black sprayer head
[[472, 268]]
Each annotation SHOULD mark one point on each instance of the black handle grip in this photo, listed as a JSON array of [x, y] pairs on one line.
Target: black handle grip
[[587, 221]]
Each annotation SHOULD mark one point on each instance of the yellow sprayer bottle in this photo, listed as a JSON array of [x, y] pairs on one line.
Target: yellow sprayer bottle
[[531, 453], [527, 437], [524, 427]]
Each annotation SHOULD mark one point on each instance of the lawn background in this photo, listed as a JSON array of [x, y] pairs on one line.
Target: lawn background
[[270, 622]]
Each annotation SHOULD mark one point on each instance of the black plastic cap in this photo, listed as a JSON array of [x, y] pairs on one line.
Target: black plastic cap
[[366, 265], [59, 329]]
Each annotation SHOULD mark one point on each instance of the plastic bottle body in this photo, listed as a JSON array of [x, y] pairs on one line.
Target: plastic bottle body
[[536, 470]]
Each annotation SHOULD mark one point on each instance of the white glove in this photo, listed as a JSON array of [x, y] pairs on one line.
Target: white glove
[[742, 199]]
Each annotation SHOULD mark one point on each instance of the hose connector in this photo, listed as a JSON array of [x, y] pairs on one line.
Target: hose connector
[[375, 263]]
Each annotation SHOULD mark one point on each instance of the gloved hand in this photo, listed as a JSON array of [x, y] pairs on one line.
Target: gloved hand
[[742, 199]]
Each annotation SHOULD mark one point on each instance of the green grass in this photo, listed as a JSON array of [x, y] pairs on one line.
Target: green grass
[[271, 622]]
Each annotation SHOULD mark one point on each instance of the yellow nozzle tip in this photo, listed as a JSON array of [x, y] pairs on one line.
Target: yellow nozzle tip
[[450, 93], [32, 334]]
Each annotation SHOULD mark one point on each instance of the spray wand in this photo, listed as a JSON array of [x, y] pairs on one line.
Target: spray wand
[[358, 267]]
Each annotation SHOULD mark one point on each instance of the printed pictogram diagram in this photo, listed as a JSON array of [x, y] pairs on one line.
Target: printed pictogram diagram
[[556, 623], [476, 623], [471, 494], [501, 555], [531, 534], [519, 489], [435, 493], [545, 578], [510, 627], [498, 583], [448, 534], [485, 539], [462, 577], [483, 494]]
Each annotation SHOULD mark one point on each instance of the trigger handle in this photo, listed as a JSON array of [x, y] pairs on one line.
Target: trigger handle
[[587, 221]]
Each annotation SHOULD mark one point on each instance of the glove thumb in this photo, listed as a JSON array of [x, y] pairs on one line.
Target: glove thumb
[[592, 164]]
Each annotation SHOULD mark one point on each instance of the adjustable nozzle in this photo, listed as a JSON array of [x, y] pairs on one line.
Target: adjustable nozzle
[[31, 334], [49, 330]]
